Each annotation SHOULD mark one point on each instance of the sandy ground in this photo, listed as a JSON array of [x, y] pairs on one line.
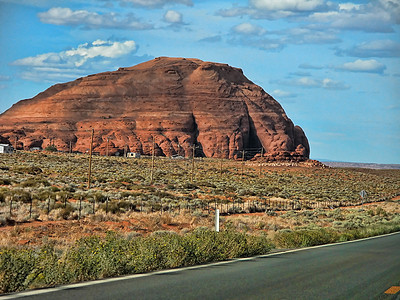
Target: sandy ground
[[65, 232]]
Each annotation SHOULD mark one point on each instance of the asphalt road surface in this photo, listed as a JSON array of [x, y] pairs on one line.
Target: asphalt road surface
[[358, 270]]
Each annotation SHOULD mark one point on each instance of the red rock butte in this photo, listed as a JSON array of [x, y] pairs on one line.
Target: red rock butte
[[179, 102]]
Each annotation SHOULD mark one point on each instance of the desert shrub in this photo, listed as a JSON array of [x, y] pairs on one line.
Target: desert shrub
[[380, 212], [48, 269], [116, 207], [234, 210], [15, 266], [369, 231], [54, 189], [66, 212], [189, 186], [51, 148], [32, 182], [125, 179], [70, 188], [29, 170], [304, 238], [5, 181], [45, 194], [21, 195], [94, 257], [62, 195]]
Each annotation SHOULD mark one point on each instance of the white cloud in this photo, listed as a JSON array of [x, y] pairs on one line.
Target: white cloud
[[266, 44], [287, 5], [249, 29], [283, 94], [79, 56], [157, 3], [74, 62], [309, 82], [392, 7], [173, 17], [66, 16], [349, 6], [331, 84], [111, 50], [377, 48], [4, 78], [303, 35], [374, 16], [249, 35], [361, 20], [275, 9], [235, 12], [310, 66], [366, 66], [99, 42]]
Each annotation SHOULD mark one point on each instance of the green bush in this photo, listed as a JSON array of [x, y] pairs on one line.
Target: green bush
[[5, 181], [65, 212], [31, 182], [116, 207], [28, 170], [93, 257], [305, 238], [15, 267], [51, 148], [21, 195]]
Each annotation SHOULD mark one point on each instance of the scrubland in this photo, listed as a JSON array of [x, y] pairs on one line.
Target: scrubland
[[136, 218]]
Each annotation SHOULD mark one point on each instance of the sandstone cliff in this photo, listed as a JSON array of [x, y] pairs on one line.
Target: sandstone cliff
[[178, 102]]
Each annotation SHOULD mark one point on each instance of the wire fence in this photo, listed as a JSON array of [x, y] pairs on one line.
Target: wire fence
[[160, 172], [76, 209]]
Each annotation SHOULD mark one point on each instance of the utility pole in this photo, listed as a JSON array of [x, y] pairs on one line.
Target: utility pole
[[90, 159], [242, 162], [108, 139], [70, 146], [220, 166], [192, 174], [220, 162], [16, 139], [262, 153], [152, 162]]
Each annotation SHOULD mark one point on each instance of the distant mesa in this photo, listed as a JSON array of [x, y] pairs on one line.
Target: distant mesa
[[179, 102]]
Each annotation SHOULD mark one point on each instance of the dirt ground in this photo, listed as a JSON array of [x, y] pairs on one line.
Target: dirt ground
[[66, 232]]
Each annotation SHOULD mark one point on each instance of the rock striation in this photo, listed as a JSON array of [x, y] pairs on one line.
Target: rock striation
[[178, 102]]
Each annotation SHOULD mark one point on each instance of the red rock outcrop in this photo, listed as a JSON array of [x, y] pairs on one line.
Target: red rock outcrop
[[179, 102]]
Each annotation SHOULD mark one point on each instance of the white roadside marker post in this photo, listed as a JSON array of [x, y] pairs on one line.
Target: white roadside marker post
[[217, 220]]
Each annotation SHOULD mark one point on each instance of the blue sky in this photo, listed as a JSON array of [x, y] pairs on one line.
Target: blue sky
[[333, 65]]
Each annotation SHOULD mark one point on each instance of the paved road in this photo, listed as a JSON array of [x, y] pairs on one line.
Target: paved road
[[358, 270]]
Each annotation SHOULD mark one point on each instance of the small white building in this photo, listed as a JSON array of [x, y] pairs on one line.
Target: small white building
[[133, 154], [5, 148]]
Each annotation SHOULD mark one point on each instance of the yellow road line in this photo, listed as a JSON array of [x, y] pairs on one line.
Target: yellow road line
[[393, 290]]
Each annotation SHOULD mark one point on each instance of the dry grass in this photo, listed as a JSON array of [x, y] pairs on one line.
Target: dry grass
[[66, 232], [125, 182]]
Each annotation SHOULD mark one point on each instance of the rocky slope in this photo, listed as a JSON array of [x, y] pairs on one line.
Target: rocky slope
[[178, 102]]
